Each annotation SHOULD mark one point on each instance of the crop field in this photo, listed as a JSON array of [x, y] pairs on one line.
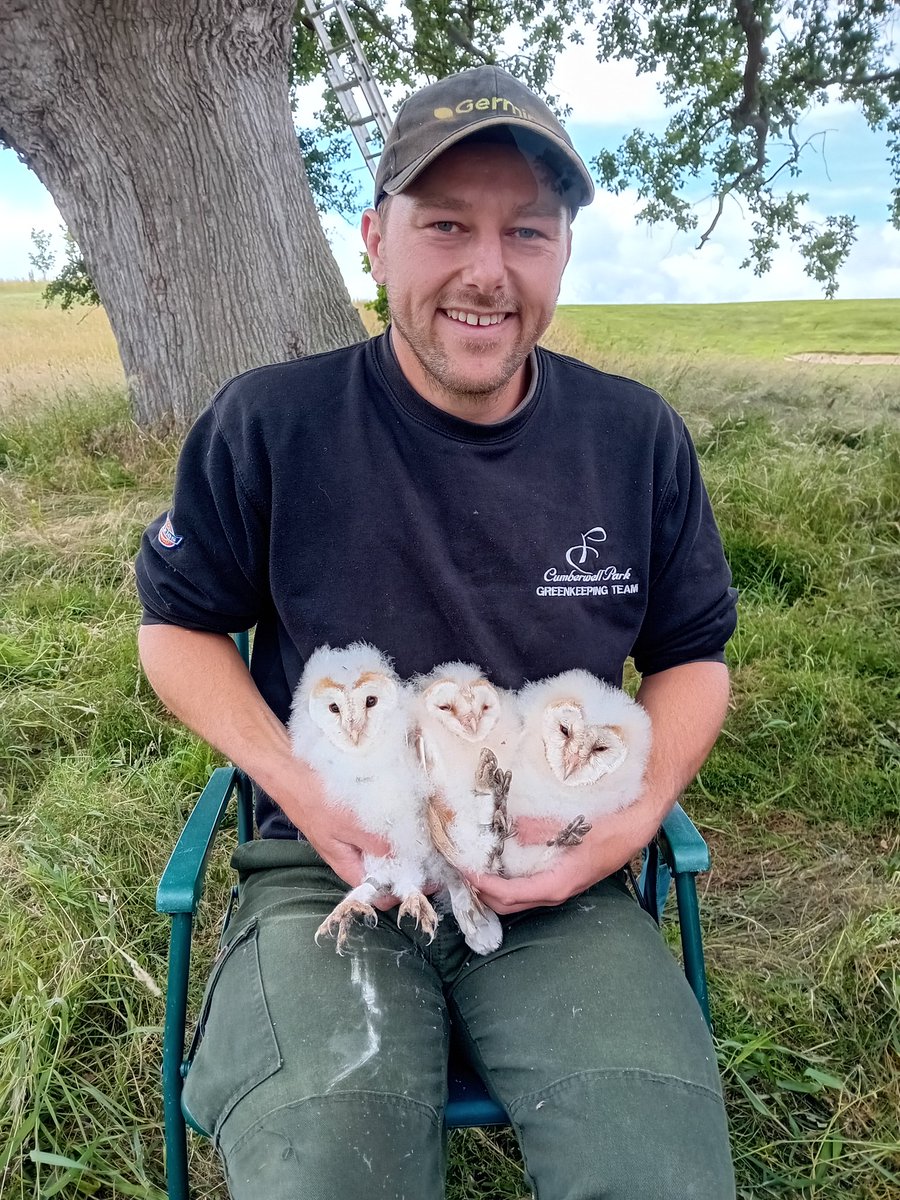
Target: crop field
[[800, 799]]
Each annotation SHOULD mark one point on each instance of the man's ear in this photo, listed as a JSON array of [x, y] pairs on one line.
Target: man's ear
[[372, 229]]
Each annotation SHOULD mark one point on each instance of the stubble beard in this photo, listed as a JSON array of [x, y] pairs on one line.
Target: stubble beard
[[451, 383]]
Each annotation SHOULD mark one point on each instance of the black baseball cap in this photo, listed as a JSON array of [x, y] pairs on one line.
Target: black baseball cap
[[477, 101]]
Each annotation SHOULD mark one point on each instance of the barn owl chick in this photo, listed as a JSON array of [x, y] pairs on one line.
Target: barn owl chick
[[464, 724], [350, 720], [582, 754]]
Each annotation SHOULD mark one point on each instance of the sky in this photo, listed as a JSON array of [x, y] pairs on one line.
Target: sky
[[616, 259]]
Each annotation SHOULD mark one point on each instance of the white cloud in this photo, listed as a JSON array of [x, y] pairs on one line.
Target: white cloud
[[608, 93], [616, 260]]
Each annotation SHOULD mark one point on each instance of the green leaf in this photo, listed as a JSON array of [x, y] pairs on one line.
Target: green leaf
[[809, 1088], [826, 1080], [55, 1160]]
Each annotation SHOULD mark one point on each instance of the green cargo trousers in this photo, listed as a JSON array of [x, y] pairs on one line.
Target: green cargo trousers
[[323, 1077]]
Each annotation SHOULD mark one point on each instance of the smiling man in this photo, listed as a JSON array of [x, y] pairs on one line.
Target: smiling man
[[447, 491], [473, 263]]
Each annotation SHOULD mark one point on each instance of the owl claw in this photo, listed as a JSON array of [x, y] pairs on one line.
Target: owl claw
[[418, 906], [572, 834], [486, 771], [340, 920], [501, 826]]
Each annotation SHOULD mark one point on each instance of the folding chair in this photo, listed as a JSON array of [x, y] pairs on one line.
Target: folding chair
[[679, 853]]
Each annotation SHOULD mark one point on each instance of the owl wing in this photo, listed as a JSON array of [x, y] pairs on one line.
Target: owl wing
[[439, 817]]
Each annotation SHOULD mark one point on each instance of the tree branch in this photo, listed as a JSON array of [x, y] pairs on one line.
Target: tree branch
[[706, 236], [755, 35], [457, 36], [384, 28], [752, 112], [847, 80]]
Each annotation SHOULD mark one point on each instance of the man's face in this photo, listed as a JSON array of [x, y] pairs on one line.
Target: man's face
[[472, 255]]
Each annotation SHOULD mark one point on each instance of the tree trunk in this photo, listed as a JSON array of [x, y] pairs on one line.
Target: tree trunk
[[163, 131]]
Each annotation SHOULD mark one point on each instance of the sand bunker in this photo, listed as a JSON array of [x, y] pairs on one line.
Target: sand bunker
[[849, 360]]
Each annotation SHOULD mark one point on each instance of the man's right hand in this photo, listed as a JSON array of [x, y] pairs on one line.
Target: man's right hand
[[334, 833]]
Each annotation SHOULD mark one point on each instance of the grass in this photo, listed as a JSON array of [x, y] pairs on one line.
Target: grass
[[758, 331], [800, 799]]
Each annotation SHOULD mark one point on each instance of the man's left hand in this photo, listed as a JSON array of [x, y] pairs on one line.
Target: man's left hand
[[608, 846]]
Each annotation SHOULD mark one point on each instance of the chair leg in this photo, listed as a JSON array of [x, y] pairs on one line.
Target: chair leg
[[173, 1052], [691, 940]]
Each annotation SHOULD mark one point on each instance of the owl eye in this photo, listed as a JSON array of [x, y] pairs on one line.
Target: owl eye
[[485, 707], [564, 730], [333, 708], [599, 747], [371, 701], [445, 707]]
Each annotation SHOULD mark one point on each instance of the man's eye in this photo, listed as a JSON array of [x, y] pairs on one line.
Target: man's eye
[[528, 235], [445, 226]]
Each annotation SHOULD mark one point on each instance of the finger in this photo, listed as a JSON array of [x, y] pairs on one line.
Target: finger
[[383, 903], [513, 895], [506, 910]]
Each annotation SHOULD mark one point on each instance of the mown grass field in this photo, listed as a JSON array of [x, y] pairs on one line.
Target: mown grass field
[[752, 331], [800, 799]]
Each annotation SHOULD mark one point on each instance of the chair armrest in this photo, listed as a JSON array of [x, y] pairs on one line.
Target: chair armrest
[[681, 845], [181, 885]]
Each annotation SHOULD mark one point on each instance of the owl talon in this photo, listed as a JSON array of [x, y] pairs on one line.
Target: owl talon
[[486, 771], [340, 920], [501, 826], [418, 906], [572, 834]]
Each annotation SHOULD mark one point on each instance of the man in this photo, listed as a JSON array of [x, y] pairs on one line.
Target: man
[[445, 492]]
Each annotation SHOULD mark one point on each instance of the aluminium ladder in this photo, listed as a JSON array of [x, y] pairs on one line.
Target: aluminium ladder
[[351, 80]]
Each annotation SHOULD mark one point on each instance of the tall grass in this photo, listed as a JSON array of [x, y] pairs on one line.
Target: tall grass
[[800, 801]]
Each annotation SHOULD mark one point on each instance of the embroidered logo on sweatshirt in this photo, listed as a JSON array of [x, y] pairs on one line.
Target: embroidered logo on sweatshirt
[[587, 573], [167, 536], [577, 556]]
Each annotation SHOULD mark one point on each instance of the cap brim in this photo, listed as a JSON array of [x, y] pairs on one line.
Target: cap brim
[[402, 181]]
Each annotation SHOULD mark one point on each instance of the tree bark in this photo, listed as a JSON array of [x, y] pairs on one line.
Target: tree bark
[[163, 131]]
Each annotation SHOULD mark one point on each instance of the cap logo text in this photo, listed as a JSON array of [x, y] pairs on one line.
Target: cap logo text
[[483, 104]]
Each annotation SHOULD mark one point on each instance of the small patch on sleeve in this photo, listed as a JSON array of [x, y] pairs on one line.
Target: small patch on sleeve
[[167, 536]]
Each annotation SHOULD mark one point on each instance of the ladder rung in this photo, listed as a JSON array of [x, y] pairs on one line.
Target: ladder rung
[[351, 79]]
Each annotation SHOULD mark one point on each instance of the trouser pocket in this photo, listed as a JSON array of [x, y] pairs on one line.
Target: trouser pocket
[[237, 1048]]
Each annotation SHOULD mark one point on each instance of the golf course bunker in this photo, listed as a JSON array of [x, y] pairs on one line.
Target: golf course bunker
[[848, 360]]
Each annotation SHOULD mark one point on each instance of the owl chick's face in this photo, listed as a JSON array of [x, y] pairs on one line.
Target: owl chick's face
[[353, 715], [470, 710], [579, 752]]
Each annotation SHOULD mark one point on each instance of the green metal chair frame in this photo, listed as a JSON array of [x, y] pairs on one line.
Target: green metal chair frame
[[683, 854]]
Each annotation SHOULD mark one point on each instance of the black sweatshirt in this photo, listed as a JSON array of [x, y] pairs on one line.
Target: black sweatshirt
[[324, 500]]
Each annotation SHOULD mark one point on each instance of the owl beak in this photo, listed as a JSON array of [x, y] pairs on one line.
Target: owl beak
[[571, 761], [354, 731], [470, 723]]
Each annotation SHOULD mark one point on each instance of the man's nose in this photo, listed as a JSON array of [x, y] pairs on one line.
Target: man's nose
[[485, 269]]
